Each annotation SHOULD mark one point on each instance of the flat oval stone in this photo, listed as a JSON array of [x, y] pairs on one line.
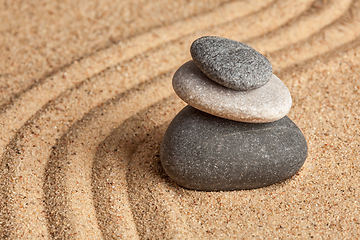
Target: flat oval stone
[[203, 152], [231, 63], [266, 104]]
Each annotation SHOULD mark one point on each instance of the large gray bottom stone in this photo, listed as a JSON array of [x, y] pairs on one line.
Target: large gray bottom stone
[[204, 152]]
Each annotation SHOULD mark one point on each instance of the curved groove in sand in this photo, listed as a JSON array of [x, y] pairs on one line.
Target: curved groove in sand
[[259, 23], [156, 201], [339, 33], [30, 161], [62, 114], [110, 169], [53, 86], [203, 19], [313, 21], [75, 158]]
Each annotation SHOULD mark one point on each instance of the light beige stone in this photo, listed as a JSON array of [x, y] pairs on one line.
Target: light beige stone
[[265, 104]]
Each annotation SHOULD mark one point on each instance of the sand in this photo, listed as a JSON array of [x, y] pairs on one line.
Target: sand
[[86, 97]]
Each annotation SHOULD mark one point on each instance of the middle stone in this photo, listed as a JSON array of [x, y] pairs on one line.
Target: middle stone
[[268, 103]]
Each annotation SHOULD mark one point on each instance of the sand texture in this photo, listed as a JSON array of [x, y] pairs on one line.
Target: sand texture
[[86, 97]]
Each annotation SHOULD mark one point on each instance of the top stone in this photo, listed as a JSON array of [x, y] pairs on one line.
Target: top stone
[[230, 63]]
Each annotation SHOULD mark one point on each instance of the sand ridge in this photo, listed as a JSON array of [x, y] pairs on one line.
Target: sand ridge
[[80, 136]]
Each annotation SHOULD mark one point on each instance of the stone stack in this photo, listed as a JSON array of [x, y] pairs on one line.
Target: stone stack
[[235, 133]]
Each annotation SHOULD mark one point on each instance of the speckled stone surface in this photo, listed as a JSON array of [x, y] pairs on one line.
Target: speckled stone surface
[[266, 104], [203, 152], [231, 63]]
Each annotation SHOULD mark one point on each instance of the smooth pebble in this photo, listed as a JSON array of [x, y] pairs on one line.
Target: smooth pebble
[[231, 63], [203, 152], [265, 104]]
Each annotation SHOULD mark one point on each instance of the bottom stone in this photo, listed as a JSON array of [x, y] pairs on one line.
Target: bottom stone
[[204, 152]]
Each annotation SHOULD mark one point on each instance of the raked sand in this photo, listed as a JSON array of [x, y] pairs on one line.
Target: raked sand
[[86, 97]]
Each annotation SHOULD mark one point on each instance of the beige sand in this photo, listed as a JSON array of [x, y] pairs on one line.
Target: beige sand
[[86, 97]]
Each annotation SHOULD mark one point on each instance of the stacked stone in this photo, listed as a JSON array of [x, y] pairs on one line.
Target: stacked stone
[[234, 134]]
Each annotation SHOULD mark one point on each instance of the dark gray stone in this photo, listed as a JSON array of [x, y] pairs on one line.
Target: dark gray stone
[[231, 63], [204, 152]]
